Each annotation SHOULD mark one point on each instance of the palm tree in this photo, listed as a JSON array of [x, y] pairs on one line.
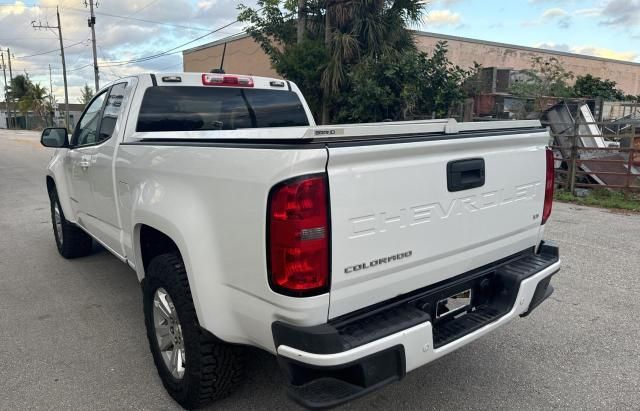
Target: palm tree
[[352, 30], [302, 20], [34, 99], [39, 96], [363, 28]]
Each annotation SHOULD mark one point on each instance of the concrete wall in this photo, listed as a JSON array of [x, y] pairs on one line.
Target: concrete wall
[[244, 56], [464, 52]]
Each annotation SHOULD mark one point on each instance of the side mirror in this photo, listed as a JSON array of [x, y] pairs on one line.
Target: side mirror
[[55, 137]]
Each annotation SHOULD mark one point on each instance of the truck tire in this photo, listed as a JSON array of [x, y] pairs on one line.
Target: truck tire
[[194, 366], [71, 241]]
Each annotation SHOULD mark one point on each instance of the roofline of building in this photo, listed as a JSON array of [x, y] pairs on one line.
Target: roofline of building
[[525, 48], [227, 39], [241, 36]]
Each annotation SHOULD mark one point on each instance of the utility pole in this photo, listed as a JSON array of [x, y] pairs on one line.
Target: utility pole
[[301, 26], [64, 65], [50, 87], [92, 24], [4, 73], [13, 109], [51, 99], [64, 72]]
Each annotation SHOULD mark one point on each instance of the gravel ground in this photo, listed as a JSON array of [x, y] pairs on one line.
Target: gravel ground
[[72, 332]]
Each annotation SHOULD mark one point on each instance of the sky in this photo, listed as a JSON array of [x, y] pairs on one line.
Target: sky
[[132, 29]]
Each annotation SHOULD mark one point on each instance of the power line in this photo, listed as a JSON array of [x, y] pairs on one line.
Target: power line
[[141, 60], [166, 52], [117, 16], [34, 38], [47, 52], [142, 20], [79, 68], [143, 8], [64, 66]]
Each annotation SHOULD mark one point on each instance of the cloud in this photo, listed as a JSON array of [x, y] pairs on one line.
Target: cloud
[[606, 53], [591, 51], [588, 12], [554, 12], [559, 16], [554, 46], [621, 13], [11, 9], [556, 15], [565, 22], [442, 18], [118, 39], [205, 4]]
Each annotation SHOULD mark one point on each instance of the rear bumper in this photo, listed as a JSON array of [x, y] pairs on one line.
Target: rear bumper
[[351, 356]]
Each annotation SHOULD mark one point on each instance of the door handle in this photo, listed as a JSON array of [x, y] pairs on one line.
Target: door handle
[[85, 162], [465, 174]]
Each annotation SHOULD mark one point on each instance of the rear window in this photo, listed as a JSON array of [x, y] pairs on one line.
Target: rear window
[[217, 108]]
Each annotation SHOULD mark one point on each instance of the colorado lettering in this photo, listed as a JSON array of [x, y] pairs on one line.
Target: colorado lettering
[[377, 262]]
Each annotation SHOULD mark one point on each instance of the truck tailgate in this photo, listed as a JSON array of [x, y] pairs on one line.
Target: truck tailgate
[[413, 211]]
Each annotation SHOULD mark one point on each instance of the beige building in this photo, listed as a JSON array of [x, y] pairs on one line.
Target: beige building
[[244, 56]]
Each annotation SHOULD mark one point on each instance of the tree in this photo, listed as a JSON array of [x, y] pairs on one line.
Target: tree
[[19, 86], [589, 86], [31, 97], [34, 100], [350, 51], [546, 78], [416, 85], [86, 94], [302, 4]]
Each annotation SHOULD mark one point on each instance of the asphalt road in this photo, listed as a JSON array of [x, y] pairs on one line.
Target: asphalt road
[[72, 332]]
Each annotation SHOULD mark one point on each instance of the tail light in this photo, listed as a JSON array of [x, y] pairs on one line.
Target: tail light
[[226, 80], [548, 190], [298, 237]]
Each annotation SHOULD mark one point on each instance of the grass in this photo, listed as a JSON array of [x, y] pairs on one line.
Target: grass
[[602, 198]]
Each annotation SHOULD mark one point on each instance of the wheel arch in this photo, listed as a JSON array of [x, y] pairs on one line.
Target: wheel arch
[[154, 236], [65, 202], [152, 239], [51, 185], [152, 243]]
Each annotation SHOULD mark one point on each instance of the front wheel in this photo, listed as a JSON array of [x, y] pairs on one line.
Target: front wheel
[[71, 241], [195, 367]]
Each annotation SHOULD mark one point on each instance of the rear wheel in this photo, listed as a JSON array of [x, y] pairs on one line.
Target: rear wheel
[[71, 241], [195, 367]]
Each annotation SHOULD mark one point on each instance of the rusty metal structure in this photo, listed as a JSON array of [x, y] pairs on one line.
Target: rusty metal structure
[[594, 154]]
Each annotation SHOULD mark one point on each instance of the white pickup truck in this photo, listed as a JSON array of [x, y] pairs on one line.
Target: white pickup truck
[[355, 253]]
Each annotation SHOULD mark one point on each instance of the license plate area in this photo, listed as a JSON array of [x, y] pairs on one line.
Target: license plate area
[[451, 301], [455, 304]]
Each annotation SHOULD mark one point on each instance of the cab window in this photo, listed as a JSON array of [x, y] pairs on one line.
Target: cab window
[[87, 129], [111, 112]]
